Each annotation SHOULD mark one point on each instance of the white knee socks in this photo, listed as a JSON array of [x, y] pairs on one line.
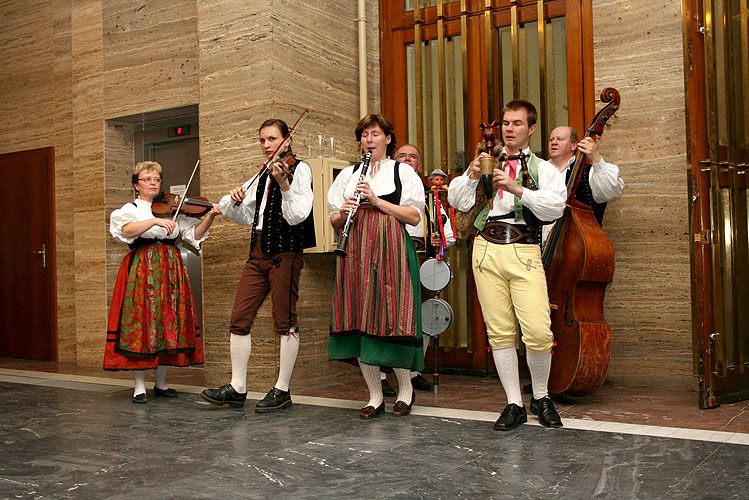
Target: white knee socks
[[405, 389], [289, 350], [240, 347], [139, 376], [506, 361], [372, 378], [540, 367], [160, 376]]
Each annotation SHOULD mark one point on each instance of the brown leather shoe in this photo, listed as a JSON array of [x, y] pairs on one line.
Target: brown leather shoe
[[401, 409], [370, 411]]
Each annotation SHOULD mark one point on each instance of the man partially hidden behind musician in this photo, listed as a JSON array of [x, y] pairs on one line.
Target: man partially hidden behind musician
[[280, 213], [600, 182], [506, 261], [410, 155]]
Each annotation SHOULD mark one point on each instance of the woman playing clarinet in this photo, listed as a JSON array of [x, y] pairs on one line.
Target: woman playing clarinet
[[376, 318]]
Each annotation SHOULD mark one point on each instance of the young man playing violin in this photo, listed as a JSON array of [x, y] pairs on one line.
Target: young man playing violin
[[278, 205], [507, 267]]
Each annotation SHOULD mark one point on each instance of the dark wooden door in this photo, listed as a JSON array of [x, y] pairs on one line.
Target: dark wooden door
[[28, 306], [717, 69]]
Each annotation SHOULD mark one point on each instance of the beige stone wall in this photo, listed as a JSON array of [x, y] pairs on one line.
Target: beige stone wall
[[76, 65], [258, 61], [638, 50]]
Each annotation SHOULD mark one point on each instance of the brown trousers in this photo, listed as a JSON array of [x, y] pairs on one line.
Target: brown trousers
[[277, 274]]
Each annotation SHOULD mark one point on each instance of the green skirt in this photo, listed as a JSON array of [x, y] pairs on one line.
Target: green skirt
[[377, 296]]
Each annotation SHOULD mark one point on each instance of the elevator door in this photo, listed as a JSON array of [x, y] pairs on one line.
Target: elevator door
[[178, 159]]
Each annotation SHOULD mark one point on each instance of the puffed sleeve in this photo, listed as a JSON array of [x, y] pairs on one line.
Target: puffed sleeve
[[462, 192], [547, 203], [605, 183], [296, 203], [186, 227], [412, 193], [119, 218], [244, 213], [336, 196]]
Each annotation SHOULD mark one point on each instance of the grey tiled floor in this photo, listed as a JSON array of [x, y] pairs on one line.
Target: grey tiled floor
[[80, 442]]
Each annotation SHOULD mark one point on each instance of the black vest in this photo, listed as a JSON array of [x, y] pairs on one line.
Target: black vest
[[584, 193], [395, 196], [278, 235]]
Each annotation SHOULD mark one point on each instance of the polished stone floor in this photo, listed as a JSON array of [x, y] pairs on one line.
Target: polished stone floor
[[73, 436]]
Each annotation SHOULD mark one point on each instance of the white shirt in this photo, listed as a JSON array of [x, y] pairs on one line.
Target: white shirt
[[142, 211], [296, 203], [383, 183], [547, 203], [605, 185]]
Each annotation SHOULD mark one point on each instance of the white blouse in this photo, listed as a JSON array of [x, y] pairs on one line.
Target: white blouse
[[141, 210], [547, 203], [296, 203], [383, 183]]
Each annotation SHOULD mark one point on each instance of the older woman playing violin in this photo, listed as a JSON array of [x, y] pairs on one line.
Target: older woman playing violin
[[152, 320]]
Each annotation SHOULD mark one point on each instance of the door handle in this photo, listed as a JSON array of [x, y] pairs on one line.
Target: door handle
[[43, 253]]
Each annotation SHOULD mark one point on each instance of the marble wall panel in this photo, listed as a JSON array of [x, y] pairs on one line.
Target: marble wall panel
[[64, 183], [88, 157], [256, 62], [149, 55], [638, 50]]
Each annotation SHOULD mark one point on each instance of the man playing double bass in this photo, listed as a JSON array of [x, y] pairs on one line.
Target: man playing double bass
[[600, 182], [510, 278]]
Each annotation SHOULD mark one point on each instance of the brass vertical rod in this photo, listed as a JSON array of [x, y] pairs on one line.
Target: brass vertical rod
[[515, 34], [442, 84], [464, 57], [489, 52], [418, 80], [544, 116]]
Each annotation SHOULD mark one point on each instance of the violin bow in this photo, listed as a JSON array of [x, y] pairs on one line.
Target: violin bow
[[184, 195]]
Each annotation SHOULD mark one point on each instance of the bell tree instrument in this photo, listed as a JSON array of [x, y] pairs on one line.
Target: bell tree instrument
[[579, 261]]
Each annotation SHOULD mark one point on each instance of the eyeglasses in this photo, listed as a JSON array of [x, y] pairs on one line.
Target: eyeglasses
[[403, 156], [146, 180]]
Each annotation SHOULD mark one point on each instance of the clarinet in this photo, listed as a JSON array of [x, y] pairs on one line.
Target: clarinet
[[341, 250]]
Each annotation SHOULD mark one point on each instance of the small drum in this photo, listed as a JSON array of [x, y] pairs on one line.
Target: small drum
[[435, 274], [436, 317]]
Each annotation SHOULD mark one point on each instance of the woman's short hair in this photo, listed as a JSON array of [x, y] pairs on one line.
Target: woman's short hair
[[381, 122], [145, 165], [275, 122]]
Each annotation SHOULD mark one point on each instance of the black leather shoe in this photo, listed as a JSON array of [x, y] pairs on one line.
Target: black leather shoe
[[547, 414], [370, 411], [422, 384], [165, 393], [512, 416], [140, 399], [224, 395], [274, 400], [387, 389]]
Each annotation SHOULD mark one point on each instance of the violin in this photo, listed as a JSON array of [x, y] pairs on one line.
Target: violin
[[287, 159], [167, 205]]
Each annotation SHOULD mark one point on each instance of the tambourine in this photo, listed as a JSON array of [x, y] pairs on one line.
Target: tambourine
[[435, 274], [436, 317]]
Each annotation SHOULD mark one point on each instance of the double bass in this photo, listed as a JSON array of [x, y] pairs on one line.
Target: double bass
[[579, 261]]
